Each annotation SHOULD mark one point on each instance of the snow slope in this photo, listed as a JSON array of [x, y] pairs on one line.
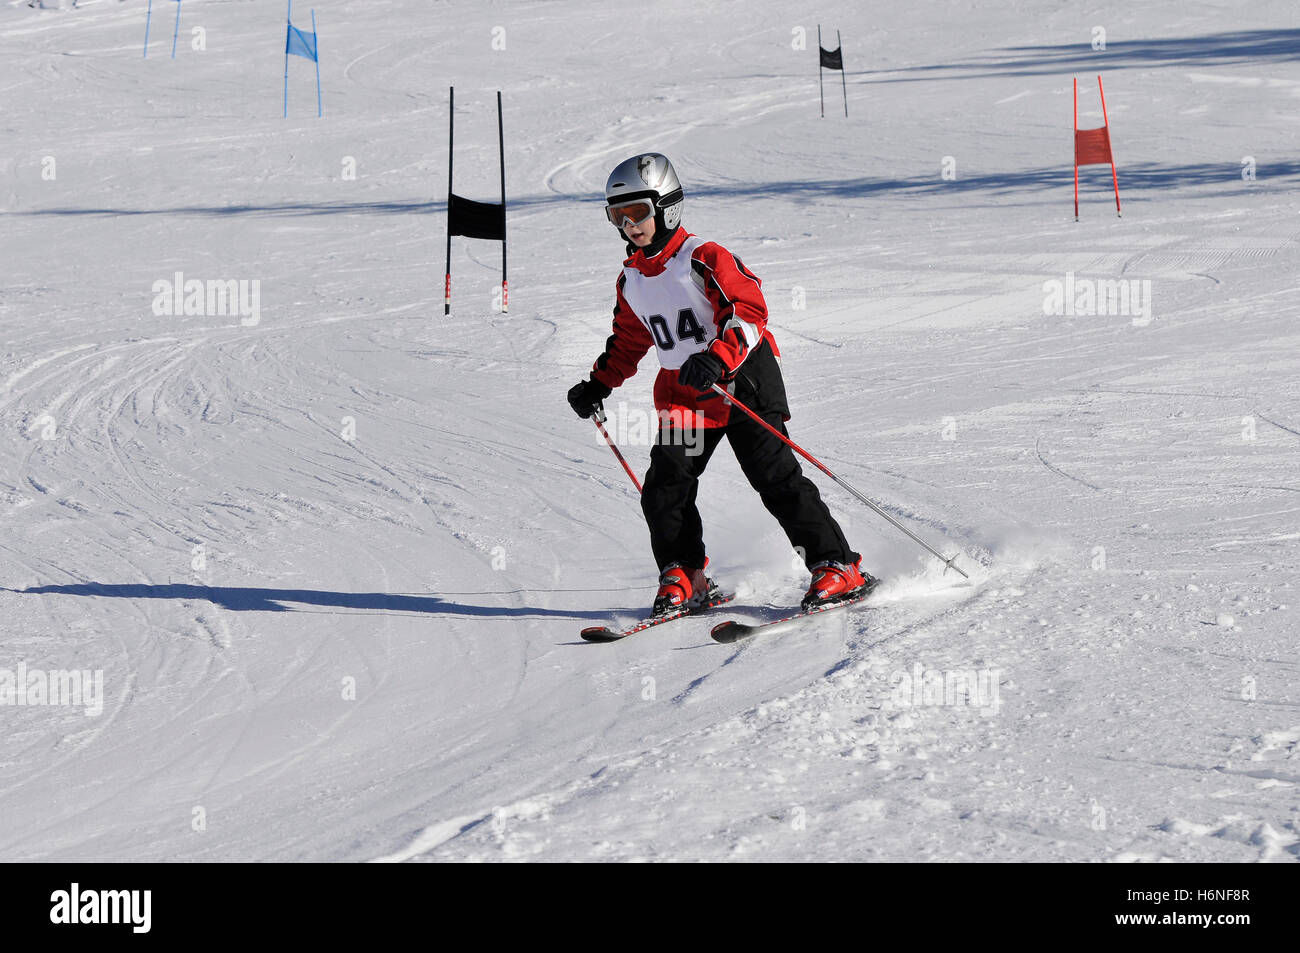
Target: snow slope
[[379, 657]]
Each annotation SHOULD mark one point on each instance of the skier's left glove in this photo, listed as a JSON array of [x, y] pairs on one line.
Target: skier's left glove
[[701, 371]]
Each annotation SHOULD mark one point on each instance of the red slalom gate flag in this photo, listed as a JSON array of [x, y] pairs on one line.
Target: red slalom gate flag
[[1092, 147]]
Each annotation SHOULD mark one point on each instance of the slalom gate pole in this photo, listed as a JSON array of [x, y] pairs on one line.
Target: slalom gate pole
[[1076, 148], [821, 92], [451, 157], [599, 420], [844, 83], [501, 142], [1105, 121], [948, 562], [315, 39], [288, 21]]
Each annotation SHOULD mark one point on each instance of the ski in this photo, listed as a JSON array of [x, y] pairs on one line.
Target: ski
[[601, 633], [732, 631]]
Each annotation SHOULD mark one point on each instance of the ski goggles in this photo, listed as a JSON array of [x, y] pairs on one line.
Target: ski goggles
[[631, 213]]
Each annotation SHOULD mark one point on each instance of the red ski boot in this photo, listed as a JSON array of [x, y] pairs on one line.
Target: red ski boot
[[682, 587], [834, 582]]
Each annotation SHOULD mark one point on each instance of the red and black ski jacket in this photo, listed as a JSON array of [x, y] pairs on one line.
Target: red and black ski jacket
[[694, 296]]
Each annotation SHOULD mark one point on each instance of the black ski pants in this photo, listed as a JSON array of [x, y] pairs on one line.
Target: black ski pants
[[668, 498]]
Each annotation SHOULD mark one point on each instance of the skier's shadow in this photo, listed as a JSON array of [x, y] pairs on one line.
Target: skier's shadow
[[248, 599]]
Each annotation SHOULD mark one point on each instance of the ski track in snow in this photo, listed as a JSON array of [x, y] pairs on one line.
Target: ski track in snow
[[333, 565]]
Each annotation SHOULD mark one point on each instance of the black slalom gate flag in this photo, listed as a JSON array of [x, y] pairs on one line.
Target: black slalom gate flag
[[476, 219], [831, 59]]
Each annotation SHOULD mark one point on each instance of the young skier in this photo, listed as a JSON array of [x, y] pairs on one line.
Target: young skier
[[704, 311]]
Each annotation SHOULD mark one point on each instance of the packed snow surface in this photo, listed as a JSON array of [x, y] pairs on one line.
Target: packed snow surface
[[331, 554]]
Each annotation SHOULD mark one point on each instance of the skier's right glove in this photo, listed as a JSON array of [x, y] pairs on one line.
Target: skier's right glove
[[585, 397]]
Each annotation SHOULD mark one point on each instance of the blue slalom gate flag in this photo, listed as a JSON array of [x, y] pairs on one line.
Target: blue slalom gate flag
[[299, 43]]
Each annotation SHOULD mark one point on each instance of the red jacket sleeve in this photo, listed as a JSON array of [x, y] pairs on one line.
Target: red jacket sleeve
[[739, 311], [625, 347]]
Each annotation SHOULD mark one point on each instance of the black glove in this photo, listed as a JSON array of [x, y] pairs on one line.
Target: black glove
[[701, 371], [585, 397]]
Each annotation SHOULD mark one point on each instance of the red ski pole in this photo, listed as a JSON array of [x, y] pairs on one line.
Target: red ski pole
[[948, 562], [598, 418]]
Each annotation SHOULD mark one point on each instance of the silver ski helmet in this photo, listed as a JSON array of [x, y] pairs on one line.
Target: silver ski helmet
[[647, 176]]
